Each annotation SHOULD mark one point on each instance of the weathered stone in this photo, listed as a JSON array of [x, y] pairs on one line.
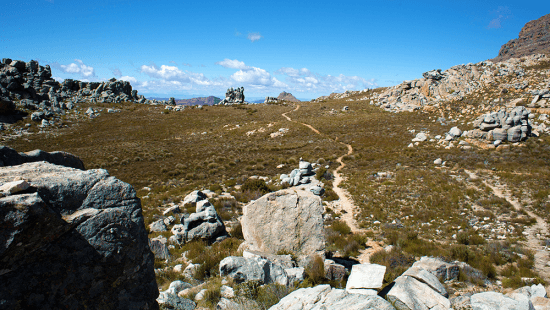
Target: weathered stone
[[287, 220], [365, 277], [455, 132], [159, 248], [317, 190], [323, 297], [334, 271], [77, 241], [10, 157], [158, 226], [514, 134], [204, 224], [420, 137], [194, 197], [14, 187], [494, 300], [243, 269], [428, 278], [172, 301], [409, 293], [500, 134], [442, 270]]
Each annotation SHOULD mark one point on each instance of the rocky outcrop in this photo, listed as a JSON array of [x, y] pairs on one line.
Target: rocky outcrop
[[233, 96], [33, 86], [534, 38], [204, 224], [10, 157], [287, 220], [502, 126], [325, 297], [73, 239], [284, 96]]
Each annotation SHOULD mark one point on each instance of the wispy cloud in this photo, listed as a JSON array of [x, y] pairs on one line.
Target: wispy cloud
[[237, 34], [130, 79], [173, 62], [186, 64], [303, 80], [77, 67], [232, 64], [502, 13], [117, 72], [254, 36], [174, 74]]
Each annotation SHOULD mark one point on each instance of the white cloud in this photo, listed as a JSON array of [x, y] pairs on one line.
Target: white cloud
[[232, 64], [502, 13], [172, 73], [256, 77], [76, 68], [303, 80], [128, 78], [254, 36]]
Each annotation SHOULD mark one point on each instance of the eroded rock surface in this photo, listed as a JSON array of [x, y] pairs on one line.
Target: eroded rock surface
[[74, 239], [286, 220]]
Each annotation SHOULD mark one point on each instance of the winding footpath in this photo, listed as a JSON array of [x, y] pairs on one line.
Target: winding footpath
[[536, 233], [345, 203]]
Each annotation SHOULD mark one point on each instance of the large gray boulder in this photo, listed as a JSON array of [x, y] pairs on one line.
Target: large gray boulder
[[10, 157], [244, 269], [286, 220], [74, 239], [325, 297]]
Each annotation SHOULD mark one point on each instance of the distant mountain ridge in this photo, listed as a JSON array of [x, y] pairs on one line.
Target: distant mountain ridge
[[287, 97], [210, 100], [534, 38]]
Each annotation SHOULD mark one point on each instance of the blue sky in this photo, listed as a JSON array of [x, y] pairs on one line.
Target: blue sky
[[308, 48]]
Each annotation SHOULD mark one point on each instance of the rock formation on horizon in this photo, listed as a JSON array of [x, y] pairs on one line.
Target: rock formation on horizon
[[534, 38], [287, 97], [233, 96]]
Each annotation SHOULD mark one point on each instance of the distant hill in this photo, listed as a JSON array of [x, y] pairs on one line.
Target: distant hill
[[210, 100], [287, 97], [534, 38]]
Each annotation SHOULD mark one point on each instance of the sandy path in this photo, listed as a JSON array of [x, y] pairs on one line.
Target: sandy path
[[537, 232], [345, 202]]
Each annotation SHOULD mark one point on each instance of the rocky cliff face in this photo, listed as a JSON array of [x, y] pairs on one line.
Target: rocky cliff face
[[72, 239], [534, 38]]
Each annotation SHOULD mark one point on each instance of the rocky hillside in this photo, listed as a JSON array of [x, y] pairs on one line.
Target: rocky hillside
[[287, 97], [534, 38]]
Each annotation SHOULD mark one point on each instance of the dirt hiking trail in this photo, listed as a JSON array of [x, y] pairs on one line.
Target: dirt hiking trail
[[344, 204], [536, 233]]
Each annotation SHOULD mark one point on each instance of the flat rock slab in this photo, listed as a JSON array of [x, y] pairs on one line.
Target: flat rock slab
[[366, 276], [497, 301], [325, 297]]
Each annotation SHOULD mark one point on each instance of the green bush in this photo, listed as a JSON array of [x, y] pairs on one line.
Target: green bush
[[315, 270], [340, 227], [255, 185]]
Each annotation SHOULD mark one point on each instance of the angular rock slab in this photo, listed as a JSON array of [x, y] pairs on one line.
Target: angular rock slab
[[409, 293], [494, 300], [365, 279], [428, 278], [286, 220], [323, 297], [78, 241]]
